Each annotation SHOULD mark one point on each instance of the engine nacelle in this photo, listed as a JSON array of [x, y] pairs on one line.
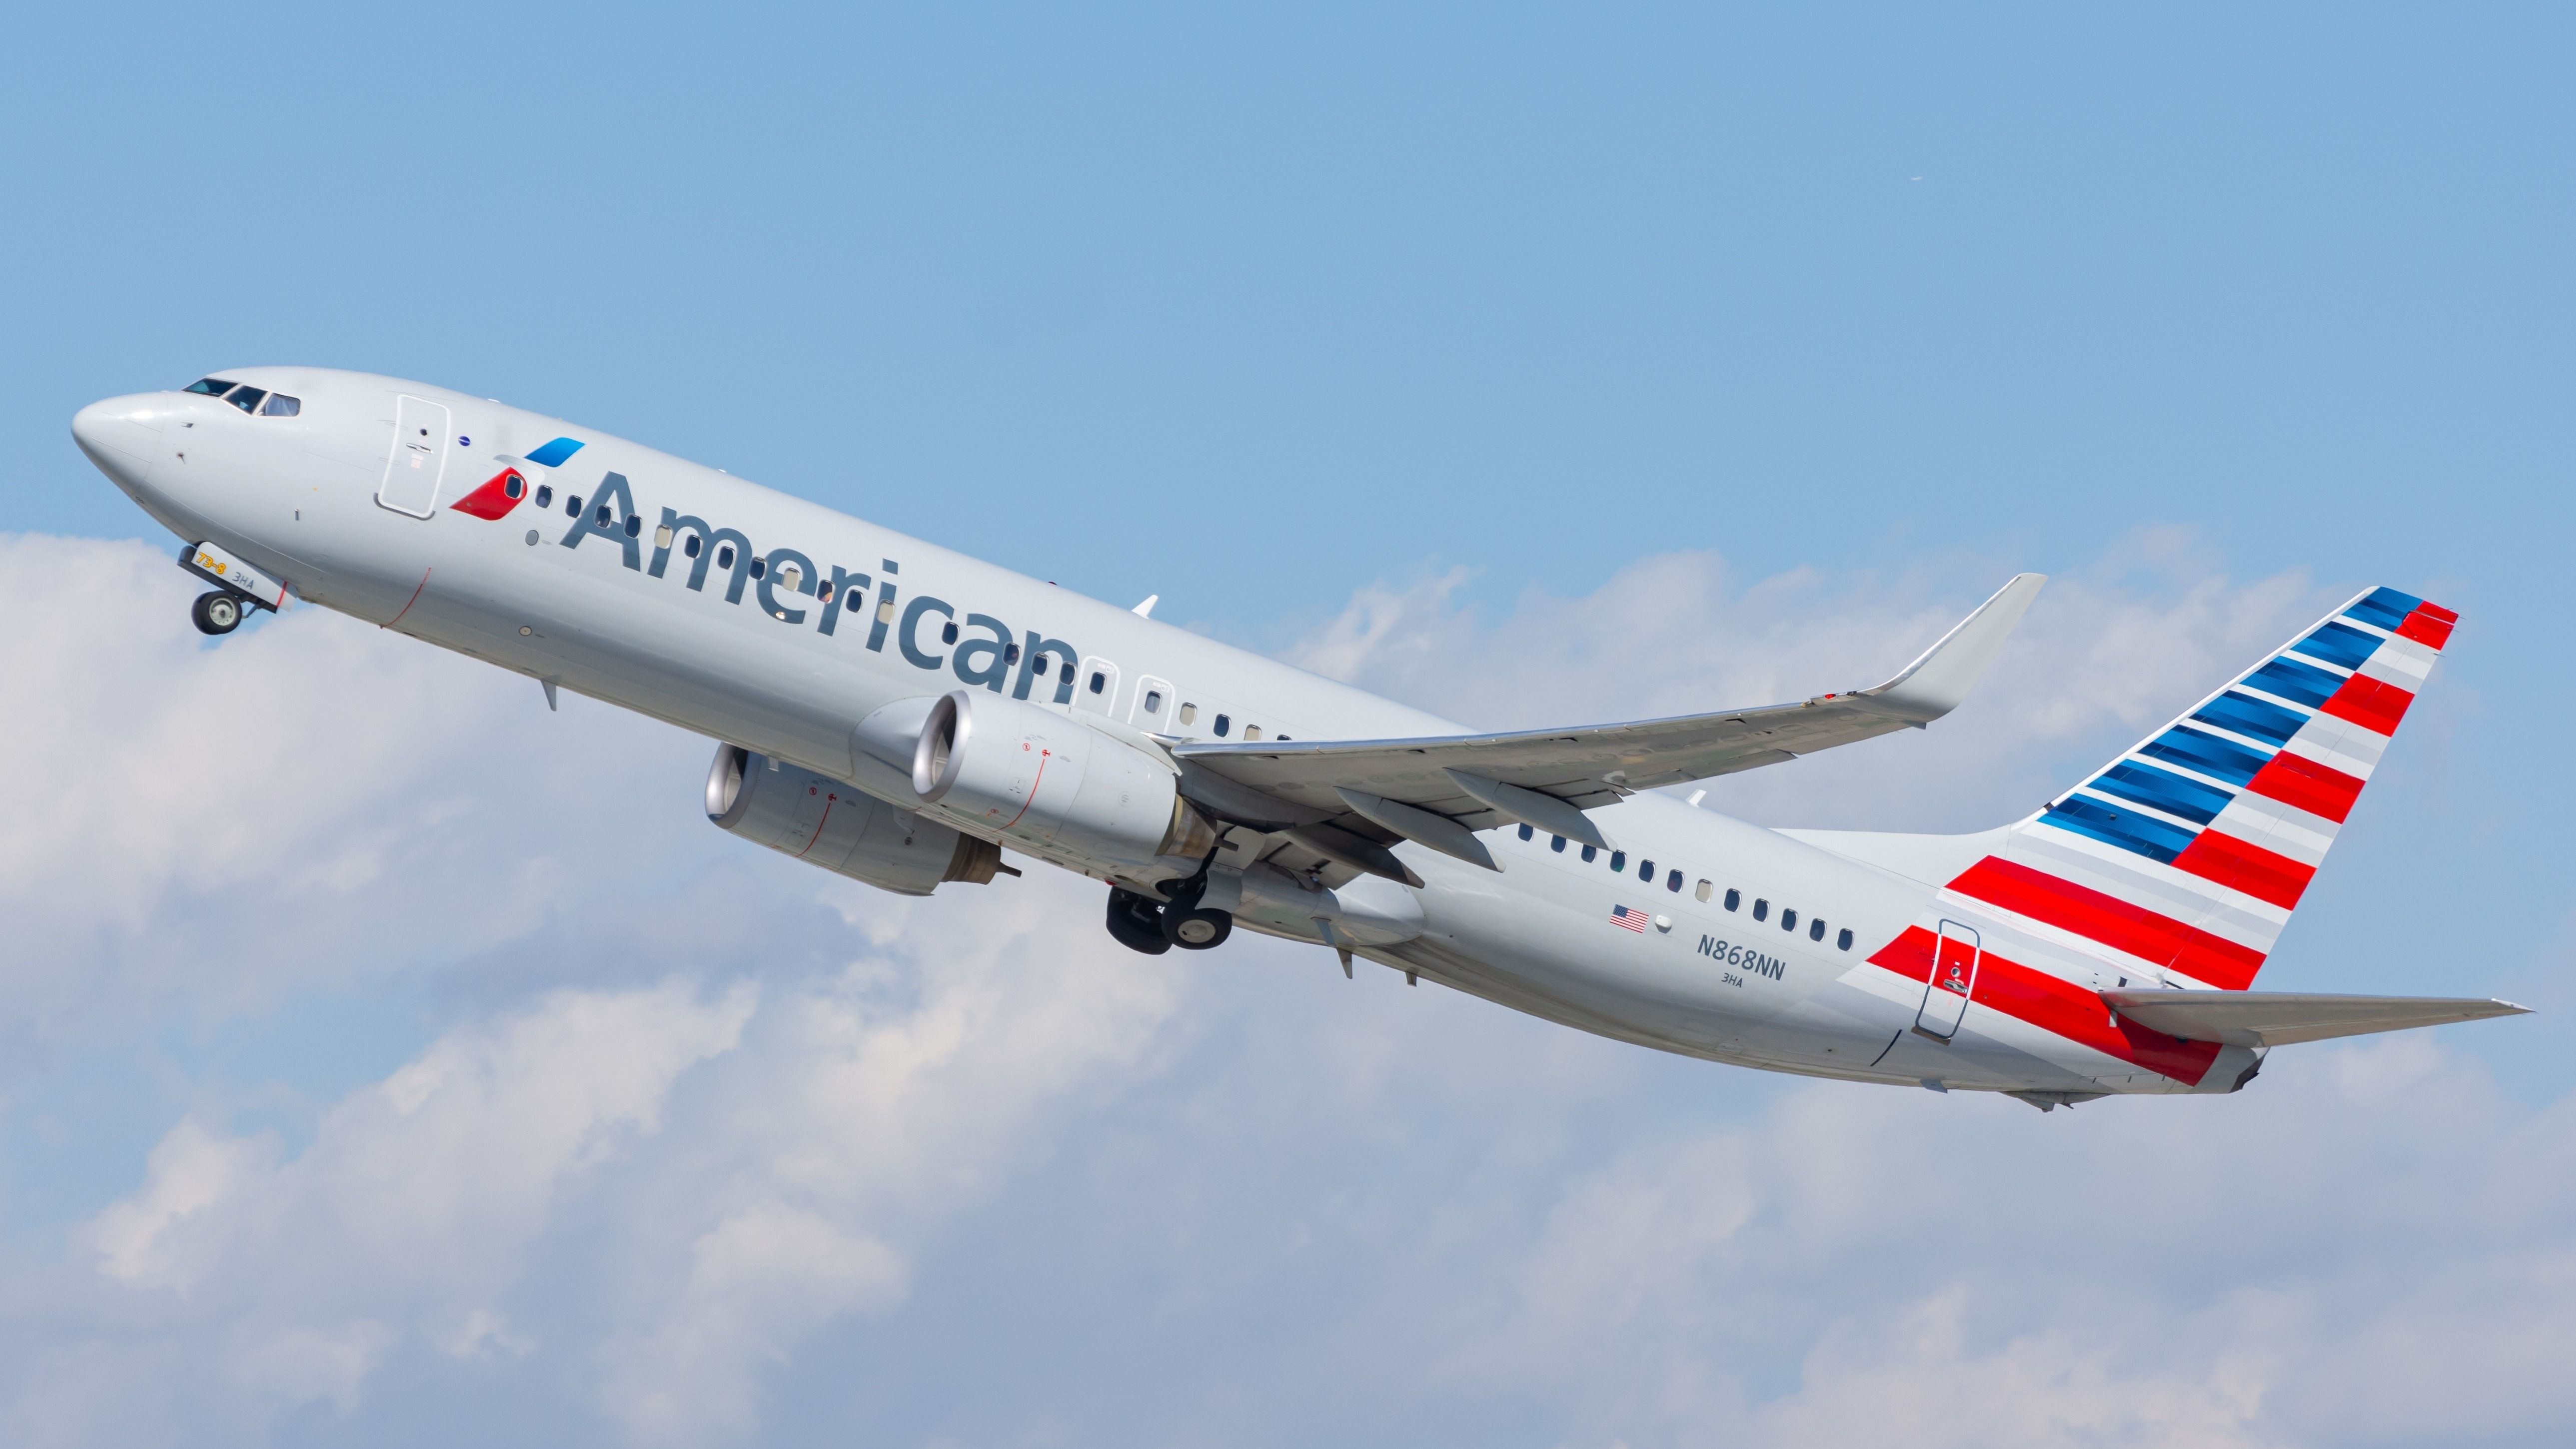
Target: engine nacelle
[[1047, 778], [842, 829]]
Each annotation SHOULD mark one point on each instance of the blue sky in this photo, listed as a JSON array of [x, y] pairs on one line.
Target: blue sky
[[1517, 362]]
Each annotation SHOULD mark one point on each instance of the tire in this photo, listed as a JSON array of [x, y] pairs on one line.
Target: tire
[[1136, 922], [1196, 930], [216, 613]]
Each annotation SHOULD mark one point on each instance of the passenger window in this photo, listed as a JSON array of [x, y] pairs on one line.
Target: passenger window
[[1734, 898], [279, 405], [724, 557], [1527, 833], [760, 566], [1252, 732], [692, 548], [1816, 929], [1556, 843], [1673, 882], [1788, 920], [1618, 859], [1010, 652], [1645, 870], [546, 499], [211, 387], [823, 595], [572, 505], [1701, 894], [947, 631], [246, 398], [1224, 722], [1590, 852], [1761, 909], [605, 517], [1844, 938], [1099, 681], [1189, 713], [515, 486], [634, 525], [1153, 697], [1039, 668]]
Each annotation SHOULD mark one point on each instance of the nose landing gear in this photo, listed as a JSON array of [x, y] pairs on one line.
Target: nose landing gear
[[238, 586], [216, 612]]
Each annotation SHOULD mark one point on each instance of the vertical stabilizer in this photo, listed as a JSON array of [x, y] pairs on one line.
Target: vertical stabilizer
[[2187, 854], [2175, 865]]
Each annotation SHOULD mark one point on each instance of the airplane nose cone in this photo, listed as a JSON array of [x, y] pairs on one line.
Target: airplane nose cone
[[120, 435]]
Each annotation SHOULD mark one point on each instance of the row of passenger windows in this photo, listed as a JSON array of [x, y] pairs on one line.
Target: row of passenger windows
[[1222, 725], [248, 398], [1673, 882]]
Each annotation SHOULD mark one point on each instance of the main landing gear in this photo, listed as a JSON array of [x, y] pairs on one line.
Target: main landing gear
[[1142, 923], [216, 612]]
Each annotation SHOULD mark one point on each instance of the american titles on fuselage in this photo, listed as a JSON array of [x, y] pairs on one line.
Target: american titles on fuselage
[[988, 657]]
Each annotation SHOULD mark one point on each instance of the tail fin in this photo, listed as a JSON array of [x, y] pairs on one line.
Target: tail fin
[[2187, 854]]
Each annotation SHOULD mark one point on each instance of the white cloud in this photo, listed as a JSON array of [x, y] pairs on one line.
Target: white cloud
[[300, 803], [1915, 1380], [2237, 1271], [299, 1365], [190, 1171]]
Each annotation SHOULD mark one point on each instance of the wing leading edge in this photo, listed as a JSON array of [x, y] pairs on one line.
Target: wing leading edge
[[1372, 792]]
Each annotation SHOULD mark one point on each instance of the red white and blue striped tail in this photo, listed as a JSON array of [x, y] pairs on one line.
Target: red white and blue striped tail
[[2184, 857]]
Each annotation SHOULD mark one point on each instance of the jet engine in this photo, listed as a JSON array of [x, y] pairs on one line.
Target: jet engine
[[1047, 778], [827, 823]]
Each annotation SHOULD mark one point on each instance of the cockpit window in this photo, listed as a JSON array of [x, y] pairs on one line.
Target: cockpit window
[[248, 398]]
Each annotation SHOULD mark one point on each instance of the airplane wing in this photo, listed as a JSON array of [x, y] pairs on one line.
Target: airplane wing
[[1347, 799], [2277, 1018]]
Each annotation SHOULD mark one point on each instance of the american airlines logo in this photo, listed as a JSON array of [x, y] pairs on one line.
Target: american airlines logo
[[980, 650]]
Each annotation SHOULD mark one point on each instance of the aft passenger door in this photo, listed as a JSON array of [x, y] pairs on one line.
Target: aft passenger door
[[1955, 953], [419, 459]]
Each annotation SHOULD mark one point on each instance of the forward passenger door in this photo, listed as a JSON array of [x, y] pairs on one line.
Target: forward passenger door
[[419, 458]]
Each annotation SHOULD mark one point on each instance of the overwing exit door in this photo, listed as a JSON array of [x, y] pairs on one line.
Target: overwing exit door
[[1955, 954], [420, 457]]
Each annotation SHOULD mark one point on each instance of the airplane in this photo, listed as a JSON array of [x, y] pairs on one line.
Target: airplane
[[900, 713]]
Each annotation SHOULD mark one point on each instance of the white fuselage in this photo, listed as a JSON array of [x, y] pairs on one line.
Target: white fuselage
[[529, 591]]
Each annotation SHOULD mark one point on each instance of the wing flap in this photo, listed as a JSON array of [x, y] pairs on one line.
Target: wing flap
[[2279, 1018]]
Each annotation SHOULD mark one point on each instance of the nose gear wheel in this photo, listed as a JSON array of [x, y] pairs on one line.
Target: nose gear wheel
[[216, 613]]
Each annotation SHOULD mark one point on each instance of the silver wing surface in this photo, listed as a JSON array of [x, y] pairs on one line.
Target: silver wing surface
[[1346, 800]]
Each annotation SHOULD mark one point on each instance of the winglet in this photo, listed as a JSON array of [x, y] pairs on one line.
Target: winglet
[[1933, 685]]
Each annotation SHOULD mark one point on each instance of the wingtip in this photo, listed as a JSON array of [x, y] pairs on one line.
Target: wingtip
[[1942, 675]]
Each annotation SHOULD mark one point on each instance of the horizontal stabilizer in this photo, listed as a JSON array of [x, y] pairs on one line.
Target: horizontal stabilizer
[[2277, 1018]]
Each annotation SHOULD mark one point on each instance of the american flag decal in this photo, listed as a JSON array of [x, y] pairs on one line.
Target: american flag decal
[[1633, 920]]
